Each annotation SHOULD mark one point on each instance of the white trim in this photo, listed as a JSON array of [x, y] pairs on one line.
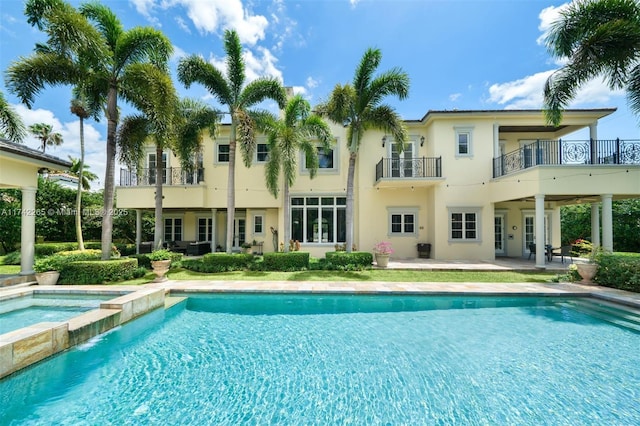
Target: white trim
[[460, 130], [325, 171], [403, 211], [464, 211], [261, 214], [215, 152]]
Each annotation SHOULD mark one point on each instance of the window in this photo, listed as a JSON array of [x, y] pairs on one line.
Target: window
[[327, 160], [463, 141], [403, 220], [173, 229], [464, 224], [205, 225], [262, 152], [223, 153], [319, 219], [258, 224], [152, 163]]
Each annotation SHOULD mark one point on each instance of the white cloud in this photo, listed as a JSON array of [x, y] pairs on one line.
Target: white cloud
[[260, 64], [312, 83], [354, 3], [95, 146], [455, 96], [547, 17], [145, 8], [178, 53], [527, 92], [183, 25], [299, 90]]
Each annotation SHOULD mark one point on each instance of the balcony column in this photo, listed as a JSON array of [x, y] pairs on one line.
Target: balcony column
[[595, 224], [138, 230], [214, 213], [607, 222], [539, 234], [27, 230], [593, 136], [496, 140]]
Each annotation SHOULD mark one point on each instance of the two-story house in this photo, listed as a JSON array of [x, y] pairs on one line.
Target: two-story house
[[473, 184]]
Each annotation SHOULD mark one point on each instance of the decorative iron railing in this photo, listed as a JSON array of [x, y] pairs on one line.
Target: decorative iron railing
[[169, 176], [557, 152], [404, 168]]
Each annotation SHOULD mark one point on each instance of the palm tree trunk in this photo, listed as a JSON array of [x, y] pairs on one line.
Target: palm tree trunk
[[287, 216], [231, 186], [107, 215], [350, 201], [158, 228], [79, 194]]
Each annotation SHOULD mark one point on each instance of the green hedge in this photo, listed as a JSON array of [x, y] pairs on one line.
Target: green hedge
[[219, 262], [291, 261], [100, 271], [353, 260], [619, 270], [145, 262], [59, 260]]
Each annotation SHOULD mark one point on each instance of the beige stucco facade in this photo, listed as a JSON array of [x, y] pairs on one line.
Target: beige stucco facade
[[473, 184]]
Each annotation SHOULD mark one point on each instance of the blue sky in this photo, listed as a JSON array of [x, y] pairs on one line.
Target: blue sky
[[459, 54]]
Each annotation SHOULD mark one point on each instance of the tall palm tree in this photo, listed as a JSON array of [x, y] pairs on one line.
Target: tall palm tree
[[87, 175], [238, 98], [289, 135], [45, 134], [359, 107], [598, 38], [95, 38], [10, 123], [187, 119]]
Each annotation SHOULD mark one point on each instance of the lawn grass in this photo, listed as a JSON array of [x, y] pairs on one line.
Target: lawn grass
[[388, 275], [9, 269]]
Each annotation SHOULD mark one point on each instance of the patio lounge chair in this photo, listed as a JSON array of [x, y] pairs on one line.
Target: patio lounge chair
[[564, 251]]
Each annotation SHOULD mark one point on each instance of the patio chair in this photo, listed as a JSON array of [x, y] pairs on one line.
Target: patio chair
[[564, 251], [532, 249]]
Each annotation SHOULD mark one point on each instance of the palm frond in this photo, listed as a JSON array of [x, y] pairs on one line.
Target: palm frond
[[368, 64], [143, 44], [194, 69], [385, 118], [106, 21], [194, 118], [272, 168], [633, 90], [340, 107], [245, 135], [393, 82], [133, 132], [297, 108], [235, 62], [260, 90], [11, 125]]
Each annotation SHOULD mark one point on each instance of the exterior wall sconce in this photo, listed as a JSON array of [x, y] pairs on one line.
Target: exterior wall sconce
[[384, 140], [421, 140], [43, 171]]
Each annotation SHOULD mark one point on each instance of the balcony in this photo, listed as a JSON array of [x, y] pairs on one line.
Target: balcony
[[411, 171], [559, 152], [170, 176]]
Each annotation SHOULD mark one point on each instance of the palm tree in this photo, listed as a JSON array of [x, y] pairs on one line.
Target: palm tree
[[10, 123], [230, 90], [44, 132], [358, 106], [598, 38], [187, 120], [93, 37], [288, 136], [87, 175]]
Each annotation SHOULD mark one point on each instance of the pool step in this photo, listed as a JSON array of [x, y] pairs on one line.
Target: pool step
[[616, 314]]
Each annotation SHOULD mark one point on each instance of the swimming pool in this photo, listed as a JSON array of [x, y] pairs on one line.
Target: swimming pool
[[23, 311], [323, 359]]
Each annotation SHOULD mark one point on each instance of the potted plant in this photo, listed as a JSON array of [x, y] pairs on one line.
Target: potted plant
[[246, 247], [160, 263], [588, 269], [382, 251], [47, 270]]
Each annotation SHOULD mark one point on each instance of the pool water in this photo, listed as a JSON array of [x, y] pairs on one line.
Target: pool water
[[25, 311], [295, 359]]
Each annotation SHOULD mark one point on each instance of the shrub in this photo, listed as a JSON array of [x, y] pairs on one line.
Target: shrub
[[292, 261], [619, 270], [159, 255], [100, 271], [47, 249], [143, 260], [59, 261], [12, 258], [353, 261], [219, 262]]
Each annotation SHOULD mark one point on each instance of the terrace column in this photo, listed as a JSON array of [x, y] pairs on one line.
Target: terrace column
[[214, 212], [27, 230], [607, 222], [496, 140], [539, 234], [595, 224], [593, 136], [138, 230]]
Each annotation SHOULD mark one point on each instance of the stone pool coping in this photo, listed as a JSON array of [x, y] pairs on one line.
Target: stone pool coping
[[26, 346], [29, 345]]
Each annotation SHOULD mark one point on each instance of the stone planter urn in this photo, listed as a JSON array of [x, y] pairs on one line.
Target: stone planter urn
[[587, 271], [47, 278], [382, 260], [160, 268]]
